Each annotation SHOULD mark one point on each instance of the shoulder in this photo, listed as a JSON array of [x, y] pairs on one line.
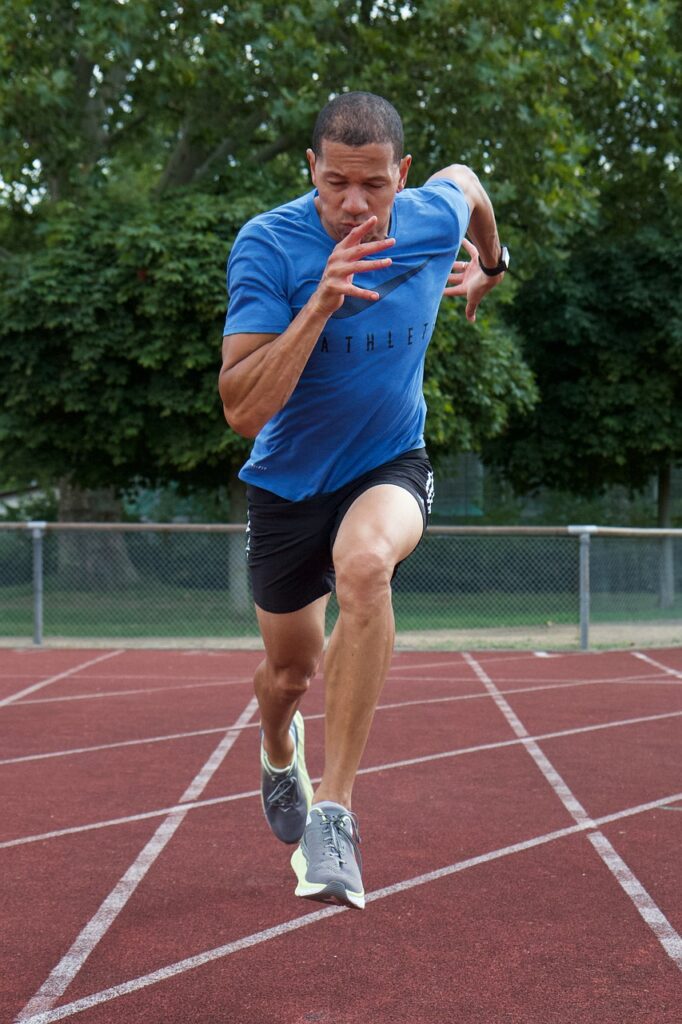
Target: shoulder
[[436, 194], [271, 224]]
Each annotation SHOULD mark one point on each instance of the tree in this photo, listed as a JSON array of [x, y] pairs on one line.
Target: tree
[[602, 327], [137, 137]]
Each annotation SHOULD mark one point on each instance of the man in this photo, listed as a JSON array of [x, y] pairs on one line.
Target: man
[[333, 299]]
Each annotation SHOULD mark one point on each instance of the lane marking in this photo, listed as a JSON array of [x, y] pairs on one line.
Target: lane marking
[[13, 698], [650, 913], [102, 694], [645, 905], [98, 677], [568, 799], [99, 694], [656, 664], [372, 769], [257, 938], [68, 967], [396, 705]]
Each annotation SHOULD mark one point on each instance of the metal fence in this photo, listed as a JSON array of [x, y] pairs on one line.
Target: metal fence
[[497, 586]]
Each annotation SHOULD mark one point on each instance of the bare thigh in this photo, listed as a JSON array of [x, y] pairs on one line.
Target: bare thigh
[[384, 522], [294, 639]]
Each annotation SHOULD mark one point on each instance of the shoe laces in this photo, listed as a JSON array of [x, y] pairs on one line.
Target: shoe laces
[[284, 794], [335, 835]]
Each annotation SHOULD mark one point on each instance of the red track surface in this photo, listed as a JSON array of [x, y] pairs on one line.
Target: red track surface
[[521, 919]]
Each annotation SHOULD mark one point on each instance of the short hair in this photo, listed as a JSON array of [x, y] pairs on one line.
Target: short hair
[[358, 119]]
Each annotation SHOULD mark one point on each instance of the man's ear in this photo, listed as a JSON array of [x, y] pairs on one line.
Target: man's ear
[[405, 164], [310, 156]]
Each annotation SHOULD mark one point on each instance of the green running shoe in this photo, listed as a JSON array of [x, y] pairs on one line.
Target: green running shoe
[[328, 862], [286, 795]]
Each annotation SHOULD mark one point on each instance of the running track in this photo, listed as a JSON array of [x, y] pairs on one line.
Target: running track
[[521, 819]]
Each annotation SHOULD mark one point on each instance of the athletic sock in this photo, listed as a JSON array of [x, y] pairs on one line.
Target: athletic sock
[[271, 768]]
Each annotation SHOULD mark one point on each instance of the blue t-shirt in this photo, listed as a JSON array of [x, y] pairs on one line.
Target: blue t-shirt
[[359, 401]]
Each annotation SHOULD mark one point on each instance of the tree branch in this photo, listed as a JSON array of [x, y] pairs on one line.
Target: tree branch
[[268, 152], [224, 148]]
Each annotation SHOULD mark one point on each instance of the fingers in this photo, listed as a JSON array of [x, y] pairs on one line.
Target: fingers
[[358, 233], [361, 293], [357, 252], [363, 266], [354, 247], [470, 247]]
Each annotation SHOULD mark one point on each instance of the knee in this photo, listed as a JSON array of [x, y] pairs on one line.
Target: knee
[[290, 680], [363, 579]]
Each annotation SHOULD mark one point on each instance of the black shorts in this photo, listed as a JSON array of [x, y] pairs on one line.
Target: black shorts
[[289, 543]]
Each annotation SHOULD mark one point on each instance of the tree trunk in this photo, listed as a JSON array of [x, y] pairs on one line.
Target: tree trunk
[[666, 581], [237, 580], [92, 558]]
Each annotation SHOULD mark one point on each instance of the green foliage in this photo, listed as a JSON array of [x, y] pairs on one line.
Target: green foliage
[[136, 137], [474, 379], [109, 343], [603, 335]]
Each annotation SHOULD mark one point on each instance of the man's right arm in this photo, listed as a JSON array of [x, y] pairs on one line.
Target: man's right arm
[[260, 371]]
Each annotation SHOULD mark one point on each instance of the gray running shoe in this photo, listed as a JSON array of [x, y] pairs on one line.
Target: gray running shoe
[[328, 862], [286, 796]]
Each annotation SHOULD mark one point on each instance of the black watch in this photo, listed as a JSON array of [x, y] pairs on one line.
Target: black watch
[[501, 267]]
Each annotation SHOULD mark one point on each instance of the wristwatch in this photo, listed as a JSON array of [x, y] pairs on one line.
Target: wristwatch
[[501, 266]]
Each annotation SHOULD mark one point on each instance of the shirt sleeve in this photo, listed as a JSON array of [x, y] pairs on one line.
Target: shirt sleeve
[[451, 195], [256, 285]]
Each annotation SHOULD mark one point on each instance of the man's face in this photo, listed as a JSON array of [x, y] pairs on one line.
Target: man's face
[[355, 183]]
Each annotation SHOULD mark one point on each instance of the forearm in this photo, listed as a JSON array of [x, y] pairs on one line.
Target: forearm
[[482, 227], [259, 385]]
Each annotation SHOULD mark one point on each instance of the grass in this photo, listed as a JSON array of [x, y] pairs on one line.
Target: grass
[[167, 611]]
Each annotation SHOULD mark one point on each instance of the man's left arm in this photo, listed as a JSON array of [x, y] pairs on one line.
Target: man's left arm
[[467, 278]]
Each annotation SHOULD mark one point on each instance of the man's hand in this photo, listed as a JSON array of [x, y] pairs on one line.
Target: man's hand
[[345, 261], [468, 279]]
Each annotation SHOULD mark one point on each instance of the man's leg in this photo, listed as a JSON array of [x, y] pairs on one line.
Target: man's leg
[[381, 528], [294, 642], [293, 645]]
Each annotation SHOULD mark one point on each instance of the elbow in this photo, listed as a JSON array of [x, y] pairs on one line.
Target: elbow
[[233, 410], [240, 423]]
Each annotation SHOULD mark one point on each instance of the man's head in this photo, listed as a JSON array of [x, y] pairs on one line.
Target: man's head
[[357, 163]]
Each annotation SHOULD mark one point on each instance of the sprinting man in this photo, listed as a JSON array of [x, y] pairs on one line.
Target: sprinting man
[[333, 298]]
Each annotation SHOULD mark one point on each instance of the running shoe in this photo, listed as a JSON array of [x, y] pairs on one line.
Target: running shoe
[[328, 862], [287, 794]]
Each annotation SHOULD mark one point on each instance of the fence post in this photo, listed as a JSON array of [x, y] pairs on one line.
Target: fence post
[[37, 532], [585, 533], [584, 591]]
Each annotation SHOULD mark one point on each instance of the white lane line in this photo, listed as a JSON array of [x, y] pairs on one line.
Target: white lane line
[[257, 938], [148, 677], [14, 697], [656, 664], [396, 705], [372, 769], [569, 800], [649, 911], [68, 967], [100, 694], [646, 907], [103, 694], [446, 662]]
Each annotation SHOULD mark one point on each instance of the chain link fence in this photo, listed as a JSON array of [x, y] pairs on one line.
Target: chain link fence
[[464, 586]]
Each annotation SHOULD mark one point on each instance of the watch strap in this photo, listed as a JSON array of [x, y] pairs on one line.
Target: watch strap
[[502, 266]]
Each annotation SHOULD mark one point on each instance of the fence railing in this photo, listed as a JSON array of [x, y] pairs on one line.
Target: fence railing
[[554, 586]]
